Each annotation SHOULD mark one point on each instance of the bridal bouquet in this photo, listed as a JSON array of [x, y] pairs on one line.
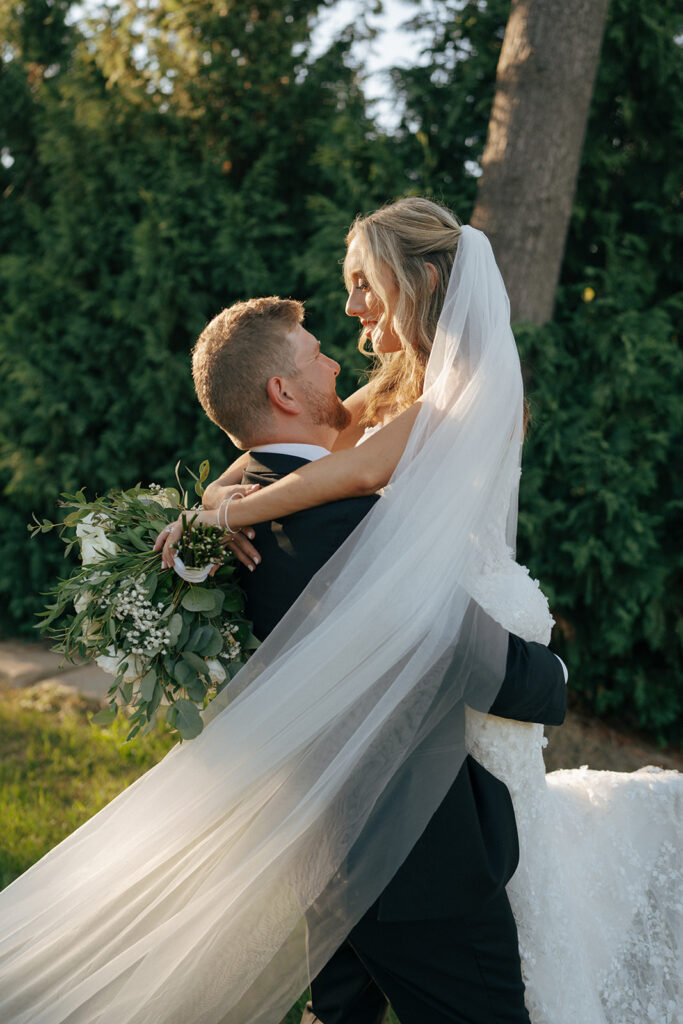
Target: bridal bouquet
[[166, 639]]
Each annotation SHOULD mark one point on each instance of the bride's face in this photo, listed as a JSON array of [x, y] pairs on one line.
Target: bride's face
[[376, 313]]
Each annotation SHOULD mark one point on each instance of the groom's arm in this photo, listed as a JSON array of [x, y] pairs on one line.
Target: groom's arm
[[534, 688]]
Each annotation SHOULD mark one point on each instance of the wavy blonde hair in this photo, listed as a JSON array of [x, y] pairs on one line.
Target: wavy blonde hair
[[404, 236]]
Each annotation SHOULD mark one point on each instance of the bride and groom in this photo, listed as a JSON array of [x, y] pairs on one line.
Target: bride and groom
[[440, 942], [328, 823]]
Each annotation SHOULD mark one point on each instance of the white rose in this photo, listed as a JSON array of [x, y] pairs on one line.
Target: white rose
[[110, 661], [164, 498], [83, 600], [216, 670], [113, 659], [167, 497], [95, 544]]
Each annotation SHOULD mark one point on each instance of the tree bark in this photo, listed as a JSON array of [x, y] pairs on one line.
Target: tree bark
[[544, 85]]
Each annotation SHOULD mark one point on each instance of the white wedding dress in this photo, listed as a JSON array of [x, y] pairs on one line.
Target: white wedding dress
[[597, 894]]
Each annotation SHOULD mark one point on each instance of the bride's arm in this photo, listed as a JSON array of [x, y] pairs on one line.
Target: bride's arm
[[217, 491], [349, 473], [220, 488]]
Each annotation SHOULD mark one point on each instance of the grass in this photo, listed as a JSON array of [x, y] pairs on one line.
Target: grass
[[57, 770]]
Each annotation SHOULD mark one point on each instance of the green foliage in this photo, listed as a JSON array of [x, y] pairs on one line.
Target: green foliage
[[600, 499], [599, 496], [447, 98], [143, 198], [153, 185], [601, 491]]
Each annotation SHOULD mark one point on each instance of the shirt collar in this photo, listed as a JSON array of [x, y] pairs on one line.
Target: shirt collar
[[311, 452]]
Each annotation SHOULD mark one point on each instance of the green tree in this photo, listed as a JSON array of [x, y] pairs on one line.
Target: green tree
[[133, 212]]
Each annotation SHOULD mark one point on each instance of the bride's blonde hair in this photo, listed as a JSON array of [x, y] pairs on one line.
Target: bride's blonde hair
[[404, 236]]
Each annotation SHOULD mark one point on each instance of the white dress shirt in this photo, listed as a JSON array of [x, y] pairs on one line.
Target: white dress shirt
[[312, 452]]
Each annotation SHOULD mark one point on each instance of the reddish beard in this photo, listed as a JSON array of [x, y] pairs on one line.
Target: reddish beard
[[326, 410]]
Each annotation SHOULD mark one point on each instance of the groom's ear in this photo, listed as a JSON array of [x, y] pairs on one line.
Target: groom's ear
[[282, 397]]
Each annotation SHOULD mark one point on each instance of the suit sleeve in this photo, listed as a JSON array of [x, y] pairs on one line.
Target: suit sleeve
[[533, 689]]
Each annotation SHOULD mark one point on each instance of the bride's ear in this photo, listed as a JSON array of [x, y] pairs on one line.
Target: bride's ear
[[433, 275], [281, 397]]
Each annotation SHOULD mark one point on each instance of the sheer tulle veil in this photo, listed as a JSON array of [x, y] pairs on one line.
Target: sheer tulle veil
[[215, 886]]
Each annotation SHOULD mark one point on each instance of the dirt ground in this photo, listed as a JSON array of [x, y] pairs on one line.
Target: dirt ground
[[585, 740]]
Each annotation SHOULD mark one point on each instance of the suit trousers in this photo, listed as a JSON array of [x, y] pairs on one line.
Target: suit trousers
[[431, 972]]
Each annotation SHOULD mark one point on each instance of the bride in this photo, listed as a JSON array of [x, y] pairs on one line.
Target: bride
[[595, 888], [194, 896]]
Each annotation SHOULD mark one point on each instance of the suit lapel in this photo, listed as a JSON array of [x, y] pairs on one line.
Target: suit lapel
[[266, 467]]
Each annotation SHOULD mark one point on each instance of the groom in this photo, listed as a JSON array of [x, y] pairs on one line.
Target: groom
[[440, 943]]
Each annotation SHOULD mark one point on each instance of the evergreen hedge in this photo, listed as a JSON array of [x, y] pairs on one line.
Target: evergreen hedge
[[128, 219]]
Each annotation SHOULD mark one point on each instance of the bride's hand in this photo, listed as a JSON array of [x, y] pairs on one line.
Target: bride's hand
[[238, 542]]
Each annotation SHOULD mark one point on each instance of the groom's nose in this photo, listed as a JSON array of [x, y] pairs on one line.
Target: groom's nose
[[335, 365]]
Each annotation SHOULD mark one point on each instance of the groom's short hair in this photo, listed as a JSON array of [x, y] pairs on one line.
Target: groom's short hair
[[234, 358]]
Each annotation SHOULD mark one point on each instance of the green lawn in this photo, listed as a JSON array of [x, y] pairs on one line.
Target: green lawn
[[56, 771]]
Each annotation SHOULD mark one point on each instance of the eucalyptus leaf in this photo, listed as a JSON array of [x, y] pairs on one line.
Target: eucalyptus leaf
[[155, 701], [234, 602], [252, 643], [148, 684], [188, 622], [106, 716], [184, 673], [199, 599], [151, 724], [196, 691], [205, 640], [136, 540], [188, 721], [219, 598], [195, 662], [175, 626], [150, 585]]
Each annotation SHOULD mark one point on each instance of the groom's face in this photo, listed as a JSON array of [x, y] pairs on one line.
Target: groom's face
[[315, 384]]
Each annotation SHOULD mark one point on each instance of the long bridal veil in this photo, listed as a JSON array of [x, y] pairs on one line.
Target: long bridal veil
[[216, 885]]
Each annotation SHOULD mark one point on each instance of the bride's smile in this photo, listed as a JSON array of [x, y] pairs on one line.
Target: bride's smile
[[373, 304]]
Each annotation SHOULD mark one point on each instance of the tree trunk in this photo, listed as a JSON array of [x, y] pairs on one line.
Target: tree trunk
[[544, 84]]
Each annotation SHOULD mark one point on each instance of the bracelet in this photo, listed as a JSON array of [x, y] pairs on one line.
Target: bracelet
[[218, 512], [226, 502]]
